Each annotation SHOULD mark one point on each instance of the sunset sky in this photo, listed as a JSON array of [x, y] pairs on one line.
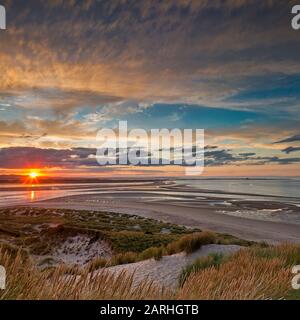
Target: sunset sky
[[69, 68]]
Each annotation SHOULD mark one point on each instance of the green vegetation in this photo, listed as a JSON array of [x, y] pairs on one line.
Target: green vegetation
[[192, 242], [132, 238], [224, 238], [40, 230], [187, 243], [290, 257], [212, 260]]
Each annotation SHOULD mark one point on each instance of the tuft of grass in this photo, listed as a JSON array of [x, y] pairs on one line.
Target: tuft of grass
[[224, 238], [212, 260], [153, 252], [123, 258], [191, 243], [138, 241], [97, 263], [290, 254]]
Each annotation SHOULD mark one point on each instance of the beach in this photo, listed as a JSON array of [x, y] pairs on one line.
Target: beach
[[148, 230], [248, 214], [203, 218], [269, 218]]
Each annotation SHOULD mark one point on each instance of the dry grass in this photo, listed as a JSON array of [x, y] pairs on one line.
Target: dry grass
[[253, 273], [212, 260], [156, 253], [249, 274], [192, 242], [24, 281], [188, 243]]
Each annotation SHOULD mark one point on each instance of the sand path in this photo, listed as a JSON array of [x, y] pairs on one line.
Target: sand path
[[166, 271]]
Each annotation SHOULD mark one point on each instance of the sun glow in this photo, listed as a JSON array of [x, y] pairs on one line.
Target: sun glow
[[33, 174]]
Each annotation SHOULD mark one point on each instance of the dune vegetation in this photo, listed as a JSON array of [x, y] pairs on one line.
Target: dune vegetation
[[257, 271], [74, 237], [251, 273]]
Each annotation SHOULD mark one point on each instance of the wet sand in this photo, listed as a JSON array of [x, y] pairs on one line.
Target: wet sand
[[201, 215]]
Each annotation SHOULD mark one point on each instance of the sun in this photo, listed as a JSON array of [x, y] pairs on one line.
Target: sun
[[33, 174]]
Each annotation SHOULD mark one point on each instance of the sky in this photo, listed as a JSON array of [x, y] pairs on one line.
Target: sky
[[69, 68]]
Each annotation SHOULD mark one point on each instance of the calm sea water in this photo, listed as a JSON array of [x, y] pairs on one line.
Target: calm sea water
[[19, 194], [288, 187], [15, 194]]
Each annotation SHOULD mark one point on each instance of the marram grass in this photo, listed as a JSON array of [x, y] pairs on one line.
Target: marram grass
[[252, 273]]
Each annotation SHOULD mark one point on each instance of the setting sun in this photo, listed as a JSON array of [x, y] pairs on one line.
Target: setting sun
[[33, 175]]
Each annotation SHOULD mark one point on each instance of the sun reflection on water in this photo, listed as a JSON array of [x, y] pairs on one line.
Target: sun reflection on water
[[32, 195]]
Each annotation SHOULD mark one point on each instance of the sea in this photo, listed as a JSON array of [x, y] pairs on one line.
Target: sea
[[280, 189]]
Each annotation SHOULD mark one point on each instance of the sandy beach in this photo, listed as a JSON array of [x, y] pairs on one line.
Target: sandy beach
[[202, 216], [258, 210]]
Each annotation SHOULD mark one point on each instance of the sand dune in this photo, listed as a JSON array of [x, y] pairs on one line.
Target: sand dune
[[166, 271]]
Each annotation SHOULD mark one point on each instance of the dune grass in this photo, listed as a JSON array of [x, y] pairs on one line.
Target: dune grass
[[192, 242], [253, 273], [259, 271], [188, 244], [25, 281], [212, 260]]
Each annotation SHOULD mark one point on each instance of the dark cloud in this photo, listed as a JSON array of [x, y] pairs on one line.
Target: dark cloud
[[291, 149], [208, 147], [27, 157], [290, 139], [277, 160], [225, 157], [247, 154]]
